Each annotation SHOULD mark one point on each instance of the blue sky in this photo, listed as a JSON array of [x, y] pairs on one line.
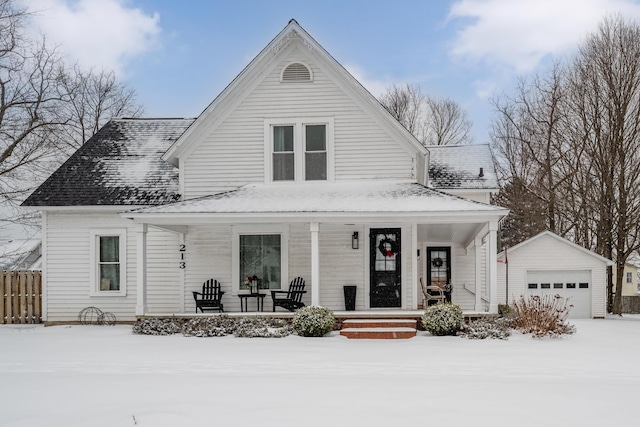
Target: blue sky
[[178, 55]]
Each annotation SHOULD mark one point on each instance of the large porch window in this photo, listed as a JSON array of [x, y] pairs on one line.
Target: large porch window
[[261, 256], [261, 251]]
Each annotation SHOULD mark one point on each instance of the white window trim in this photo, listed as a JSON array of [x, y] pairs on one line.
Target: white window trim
[[282, 230], [94, 252], [298, 124]]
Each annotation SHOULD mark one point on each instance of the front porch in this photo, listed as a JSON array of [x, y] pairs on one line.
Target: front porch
[[380, 237]]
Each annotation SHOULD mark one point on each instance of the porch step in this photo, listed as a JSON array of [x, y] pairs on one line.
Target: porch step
[[378, 328]]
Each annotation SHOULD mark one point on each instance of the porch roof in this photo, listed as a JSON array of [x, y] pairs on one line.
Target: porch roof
[[368, 198]]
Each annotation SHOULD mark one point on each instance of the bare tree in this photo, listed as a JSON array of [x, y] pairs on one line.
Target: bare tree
[[607, 82], [95, 96], [405, 103], [572, 139], [446, 122], [528, 135], [46, 109], [431, 120], [30, 102]]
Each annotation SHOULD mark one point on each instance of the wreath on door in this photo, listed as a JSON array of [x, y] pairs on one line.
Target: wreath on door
[[388, 247], [437, 262]]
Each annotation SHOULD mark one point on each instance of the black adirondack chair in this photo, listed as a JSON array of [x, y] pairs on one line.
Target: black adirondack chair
[[210, 299], [291, 299]]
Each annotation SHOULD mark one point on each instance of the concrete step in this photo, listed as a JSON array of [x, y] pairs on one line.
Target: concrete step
[[378, 328], [379, 323]]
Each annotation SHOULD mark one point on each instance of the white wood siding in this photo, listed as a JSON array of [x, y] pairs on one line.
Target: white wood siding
[[548, 253], [68, 281], [233, 154]]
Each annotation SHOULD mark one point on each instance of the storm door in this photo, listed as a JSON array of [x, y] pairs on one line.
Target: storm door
[[385, 285], [439, 269]]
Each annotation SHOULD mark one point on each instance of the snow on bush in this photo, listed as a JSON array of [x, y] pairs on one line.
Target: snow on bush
[[313, 321], [442, 319], [157, 327], [542, 316], [486, 328], [257, 327], [215, 326]]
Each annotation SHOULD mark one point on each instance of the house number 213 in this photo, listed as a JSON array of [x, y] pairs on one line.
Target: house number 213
[[183, 249]]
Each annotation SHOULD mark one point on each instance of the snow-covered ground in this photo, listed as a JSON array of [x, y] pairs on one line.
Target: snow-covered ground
[[106, 376]]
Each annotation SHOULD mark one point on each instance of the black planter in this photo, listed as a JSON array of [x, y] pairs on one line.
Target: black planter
[[350, 298]]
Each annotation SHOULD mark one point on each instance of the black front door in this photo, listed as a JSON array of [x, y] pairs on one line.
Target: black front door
[[439, 268], [385, 279]]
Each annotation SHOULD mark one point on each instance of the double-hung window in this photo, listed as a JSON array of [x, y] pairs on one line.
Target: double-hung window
[[108, 262], [299, 150]]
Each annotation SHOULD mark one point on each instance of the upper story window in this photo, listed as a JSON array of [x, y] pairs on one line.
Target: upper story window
[[629, 277], [296, 72], [301, 150]]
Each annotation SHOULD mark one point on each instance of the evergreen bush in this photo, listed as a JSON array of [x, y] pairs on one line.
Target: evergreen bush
[[442, 319], [313, 321]]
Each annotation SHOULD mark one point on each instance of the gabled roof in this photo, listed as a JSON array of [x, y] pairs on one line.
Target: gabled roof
[[255, 72], [120, 165], [548, 233], [458, 167], [374, 197]]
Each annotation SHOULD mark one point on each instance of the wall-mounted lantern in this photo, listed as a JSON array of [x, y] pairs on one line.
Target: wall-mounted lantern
[[354, 240]]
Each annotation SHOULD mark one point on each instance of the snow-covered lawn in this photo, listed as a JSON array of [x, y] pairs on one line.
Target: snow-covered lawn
[[106, 376]]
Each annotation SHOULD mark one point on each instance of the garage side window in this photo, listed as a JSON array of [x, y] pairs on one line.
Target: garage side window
[[533, 286]]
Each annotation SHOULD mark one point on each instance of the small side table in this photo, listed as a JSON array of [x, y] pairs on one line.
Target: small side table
[[259, 301]]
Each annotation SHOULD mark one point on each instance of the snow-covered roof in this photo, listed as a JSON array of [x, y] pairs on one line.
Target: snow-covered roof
[[20, 254], [458, 167], [561, 239], [120, 165], [350, 197]]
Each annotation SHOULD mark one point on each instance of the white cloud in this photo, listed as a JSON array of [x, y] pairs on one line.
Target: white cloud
[[97, 32], [519, 34], [376, 87]]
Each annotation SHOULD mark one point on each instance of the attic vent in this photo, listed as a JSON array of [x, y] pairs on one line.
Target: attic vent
[[296, 72]]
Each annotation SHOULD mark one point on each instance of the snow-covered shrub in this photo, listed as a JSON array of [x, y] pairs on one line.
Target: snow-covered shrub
[[486, 328], [542, 316], [217, 326], [442, 319], [313, 321], [157, 327], [258, 327]]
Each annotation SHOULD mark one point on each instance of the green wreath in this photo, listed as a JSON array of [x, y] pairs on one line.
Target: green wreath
[[437, 262], [390, 250]]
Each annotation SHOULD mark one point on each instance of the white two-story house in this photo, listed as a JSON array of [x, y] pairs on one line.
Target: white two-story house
[[294, 170]]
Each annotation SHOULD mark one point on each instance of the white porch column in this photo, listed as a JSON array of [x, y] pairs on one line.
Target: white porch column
[[492, 266], [478, 249], [315, 264], [141, 265]]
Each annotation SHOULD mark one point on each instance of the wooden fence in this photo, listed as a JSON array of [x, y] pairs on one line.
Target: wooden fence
[[631, 304], [21, 296]]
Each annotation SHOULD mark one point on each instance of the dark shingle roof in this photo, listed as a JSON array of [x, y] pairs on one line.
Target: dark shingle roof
[[120, 165], [458, 167]]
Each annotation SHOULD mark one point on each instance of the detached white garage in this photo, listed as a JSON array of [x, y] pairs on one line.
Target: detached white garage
[[550, 264]]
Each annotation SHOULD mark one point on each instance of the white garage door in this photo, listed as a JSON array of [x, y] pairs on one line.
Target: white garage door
[[572, 284]]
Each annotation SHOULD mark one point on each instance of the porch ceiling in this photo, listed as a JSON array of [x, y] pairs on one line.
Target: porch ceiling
[[453, 232]]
